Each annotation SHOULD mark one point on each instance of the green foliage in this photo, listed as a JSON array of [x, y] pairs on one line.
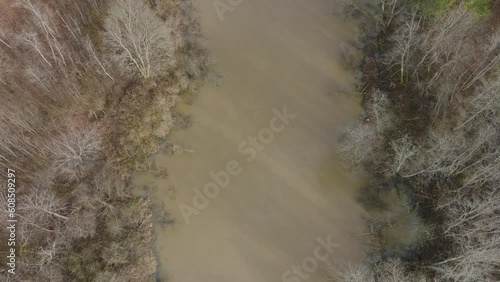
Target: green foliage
[[433, 7], [479, 7]]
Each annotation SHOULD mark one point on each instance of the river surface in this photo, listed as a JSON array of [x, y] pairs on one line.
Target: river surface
[[288, 192]]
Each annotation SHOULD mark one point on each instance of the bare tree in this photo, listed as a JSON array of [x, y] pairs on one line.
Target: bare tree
[[476, 262], [47, 254], [484, 106], [391, 9], [75, 150], [31, 39], [448, 153], [392, 270], [20, 129], [357, 143], [36, 76], [138, 39], [473, 224], [43, 204], [101, 63], [381, 12], [355, 273], [444, 35], [42, 214], [380, 110], [486, 169], [4, 37], [465, 212], [405, 39], [48, 31], [490, 61], [82, 223], [404, 149]]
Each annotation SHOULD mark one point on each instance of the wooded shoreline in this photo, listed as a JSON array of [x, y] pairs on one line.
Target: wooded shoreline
[[430, 135], [88, 91]]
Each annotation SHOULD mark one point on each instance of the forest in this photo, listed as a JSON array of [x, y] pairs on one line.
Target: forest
[[429, 139], [87, 90]]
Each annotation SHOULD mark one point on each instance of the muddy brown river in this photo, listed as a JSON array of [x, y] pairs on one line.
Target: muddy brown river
[[260, 195]]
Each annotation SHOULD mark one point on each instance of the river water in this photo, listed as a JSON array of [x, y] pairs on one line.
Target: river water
[[288, 192]]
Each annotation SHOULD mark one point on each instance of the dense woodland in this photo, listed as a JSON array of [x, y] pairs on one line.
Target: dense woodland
[[87, 89], [430, 136]]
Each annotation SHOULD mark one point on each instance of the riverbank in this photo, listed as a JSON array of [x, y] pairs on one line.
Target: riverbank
[[83, 109], [427, 97]]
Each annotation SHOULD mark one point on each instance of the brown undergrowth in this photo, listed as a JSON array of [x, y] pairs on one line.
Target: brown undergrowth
[[75, 127]]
